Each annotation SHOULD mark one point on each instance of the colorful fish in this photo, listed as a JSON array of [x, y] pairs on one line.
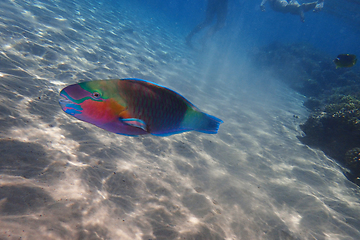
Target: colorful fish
[[135, 107], [345, 60]]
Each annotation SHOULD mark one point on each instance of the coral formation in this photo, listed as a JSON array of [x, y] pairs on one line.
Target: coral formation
[[333, 98], [352, 161]]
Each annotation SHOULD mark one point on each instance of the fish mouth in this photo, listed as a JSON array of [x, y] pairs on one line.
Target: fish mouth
[[64, 101], [69, 106]]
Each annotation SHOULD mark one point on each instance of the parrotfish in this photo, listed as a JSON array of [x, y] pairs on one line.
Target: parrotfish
[[345, 60], [135, 107]]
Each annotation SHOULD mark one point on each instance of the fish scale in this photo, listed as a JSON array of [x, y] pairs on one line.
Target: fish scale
[[157, 115]]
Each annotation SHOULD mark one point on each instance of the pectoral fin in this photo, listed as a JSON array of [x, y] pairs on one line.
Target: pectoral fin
[[134, 122]]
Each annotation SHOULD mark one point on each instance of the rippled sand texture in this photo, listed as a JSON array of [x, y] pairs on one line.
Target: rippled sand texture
[[64, 179]]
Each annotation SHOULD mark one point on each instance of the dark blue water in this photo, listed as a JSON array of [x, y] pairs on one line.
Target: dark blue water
[[246, 24]]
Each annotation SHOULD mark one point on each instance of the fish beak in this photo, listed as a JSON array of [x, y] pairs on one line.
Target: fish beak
[[69, 106], [64, 99], [64, 102]]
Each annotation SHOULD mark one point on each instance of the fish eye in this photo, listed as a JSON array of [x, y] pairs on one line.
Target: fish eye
[[96, 95]]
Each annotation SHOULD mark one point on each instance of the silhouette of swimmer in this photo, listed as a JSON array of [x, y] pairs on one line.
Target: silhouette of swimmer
[[214, 7], [293, 7]]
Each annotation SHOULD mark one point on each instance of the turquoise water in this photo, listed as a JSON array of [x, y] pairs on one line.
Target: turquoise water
[[61, 178]]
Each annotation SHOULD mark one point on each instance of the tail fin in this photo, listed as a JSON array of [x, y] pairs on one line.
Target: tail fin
[[208, 124]]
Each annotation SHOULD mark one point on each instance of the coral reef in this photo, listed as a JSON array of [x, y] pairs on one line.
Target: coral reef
[[352, 161], [335, 128], [333, 98]]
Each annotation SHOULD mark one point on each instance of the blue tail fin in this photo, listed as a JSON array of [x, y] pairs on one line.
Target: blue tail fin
[[208, 124]]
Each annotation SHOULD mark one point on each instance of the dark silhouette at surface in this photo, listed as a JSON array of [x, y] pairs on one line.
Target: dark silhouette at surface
[[293, 7], [214, 8]]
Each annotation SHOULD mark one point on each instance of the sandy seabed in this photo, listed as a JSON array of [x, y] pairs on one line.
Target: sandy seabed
[[65, 179]]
